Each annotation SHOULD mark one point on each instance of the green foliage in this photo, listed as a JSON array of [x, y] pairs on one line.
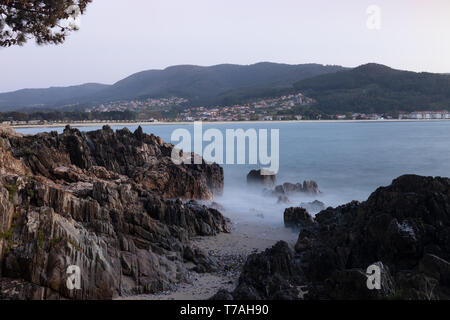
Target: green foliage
[[30, 193], [203, 86], [55, 241], [8, 247], [73, 244], [367, 89], [12, 189], [243, 95], [7, 235], [377, 89], [42, 20], [41, 238], [66, 116], [308, 112]]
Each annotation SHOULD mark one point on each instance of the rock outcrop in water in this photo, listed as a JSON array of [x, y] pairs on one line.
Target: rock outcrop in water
[[261, 178], [307, 187], [402, 230], [297, 218], [110, 203], [313, 207]]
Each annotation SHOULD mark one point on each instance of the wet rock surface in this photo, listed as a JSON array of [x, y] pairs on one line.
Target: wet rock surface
[[307, 187], [110, 203], [283, 200], [297, 218], [313, 207], [402, 230], [272, 274], [261, 178]]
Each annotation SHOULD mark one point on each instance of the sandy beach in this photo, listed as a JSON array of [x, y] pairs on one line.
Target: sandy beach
[[231, 250], [123, 124]]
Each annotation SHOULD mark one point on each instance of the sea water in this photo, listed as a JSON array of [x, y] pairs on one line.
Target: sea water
[[348, 160]]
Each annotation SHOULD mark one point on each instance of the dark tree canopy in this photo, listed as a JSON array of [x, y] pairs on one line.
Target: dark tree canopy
[[47, 21]]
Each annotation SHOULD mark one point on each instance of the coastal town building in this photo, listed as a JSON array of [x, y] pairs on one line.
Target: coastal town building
[[425, 115], [139, 105], [267, 109]]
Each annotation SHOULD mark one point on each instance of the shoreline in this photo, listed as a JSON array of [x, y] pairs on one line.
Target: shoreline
[[115, 124], [231, 250]]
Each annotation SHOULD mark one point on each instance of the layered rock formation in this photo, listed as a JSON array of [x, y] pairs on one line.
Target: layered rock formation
[[110, 203], [402, 230]]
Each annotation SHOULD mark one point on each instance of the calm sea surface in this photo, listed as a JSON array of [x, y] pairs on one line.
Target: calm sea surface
[[348, 160]]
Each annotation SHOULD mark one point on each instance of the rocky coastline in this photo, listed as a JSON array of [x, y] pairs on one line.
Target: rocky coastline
[[111, 203], [403, 230], [116, 206]]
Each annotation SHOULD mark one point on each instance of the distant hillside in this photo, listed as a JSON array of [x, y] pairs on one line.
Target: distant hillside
[[212, 85], [47, 97], [201, 85], [370, 88], [377, 88]]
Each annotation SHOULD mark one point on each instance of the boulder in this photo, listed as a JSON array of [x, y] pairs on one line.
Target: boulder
[[222, 295], [272, 275], [311, 187], [283, 200], [436, 268], [313, 207], [297, 218], [351, 284], [307, 187], [261, 178]]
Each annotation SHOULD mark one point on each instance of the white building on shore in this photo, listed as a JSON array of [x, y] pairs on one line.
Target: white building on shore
[[426, 115]]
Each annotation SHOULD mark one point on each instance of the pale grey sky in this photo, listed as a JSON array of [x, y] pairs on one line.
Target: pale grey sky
[[118, 38]]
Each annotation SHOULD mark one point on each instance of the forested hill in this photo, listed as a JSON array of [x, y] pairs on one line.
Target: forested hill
[[371, 88], [219, 84], [35, 98], [378, 89]]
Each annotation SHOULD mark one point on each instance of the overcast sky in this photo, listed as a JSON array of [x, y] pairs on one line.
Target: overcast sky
[[118, 38]]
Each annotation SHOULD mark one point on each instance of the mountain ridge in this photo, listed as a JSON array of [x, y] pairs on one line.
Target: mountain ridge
[[30, 97], [199, 84], [369, 88], [375, 88]]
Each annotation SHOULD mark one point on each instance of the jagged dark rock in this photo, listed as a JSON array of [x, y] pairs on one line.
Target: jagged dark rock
[[283, 200], [307, 187], [223, 295], [404, 229], [256, 177], [297, 218], [313, 207], [108, 202], [272, 275]]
